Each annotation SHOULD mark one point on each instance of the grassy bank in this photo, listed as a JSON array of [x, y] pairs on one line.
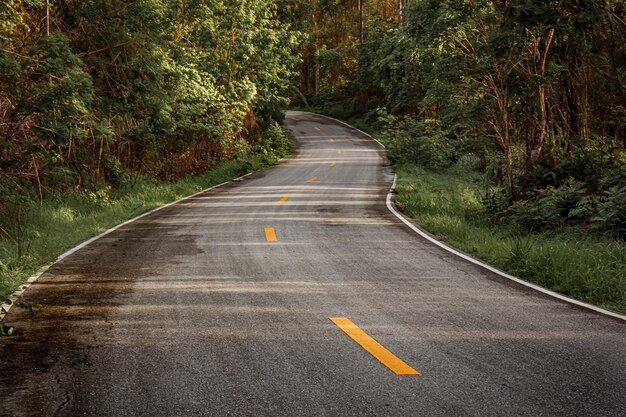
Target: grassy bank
[[448, 204], [59, 222]]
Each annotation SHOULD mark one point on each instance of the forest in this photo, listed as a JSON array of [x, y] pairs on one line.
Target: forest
[[533, 93], [525, 97], [91, 89]]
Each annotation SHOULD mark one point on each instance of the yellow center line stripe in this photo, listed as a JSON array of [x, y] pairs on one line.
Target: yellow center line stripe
[[312, 179], [339, 152], [332, 164], [283, 199], [317, 129], [270, 234], [391, 361]]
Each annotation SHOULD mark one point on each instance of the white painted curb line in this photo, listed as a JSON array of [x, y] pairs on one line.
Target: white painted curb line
[[4, 308], [358, 130], [475, 261], [491, 268]]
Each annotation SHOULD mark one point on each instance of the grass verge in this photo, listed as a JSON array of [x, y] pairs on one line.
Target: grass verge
[[448, 204], [58, 223]]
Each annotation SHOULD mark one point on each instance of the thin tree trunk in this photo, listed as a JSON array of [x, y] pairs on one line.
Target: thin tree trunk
[[508, 158], [506, 147], [304, 73], [317, 53], [352, 20], [38, 177], [47, 17], [537, 143], [361, 5], [100, 157], [500, 123]]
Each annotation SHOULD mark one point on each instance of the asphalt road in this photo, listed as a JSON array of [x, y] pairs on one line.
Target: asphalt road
[[192, 311]]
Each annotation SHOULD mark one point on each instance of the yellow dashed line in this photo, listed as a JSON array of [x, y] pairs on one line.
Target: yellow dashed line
[[391, 361], [339, 152], [270, 234], [283, 199], [312, 179], [332, 164], [317, 129]]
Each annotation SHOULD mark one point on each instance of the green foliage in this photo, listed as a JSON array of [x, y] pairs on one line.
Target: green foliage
[[420, 143], [611, 209], [118, 88], [27, 305], [14, 18], [383, 65], [449, 205], [274, 144], [14, 219], [61, 93], [550, 208], [329, 59], [521, 248], [611, 213], [6, 330], [589, 199], [531, 91], [113, 170]]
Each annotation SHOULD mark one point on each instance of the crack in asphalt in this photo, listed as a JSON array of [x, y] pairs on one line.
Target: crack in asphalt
[[66, 393]]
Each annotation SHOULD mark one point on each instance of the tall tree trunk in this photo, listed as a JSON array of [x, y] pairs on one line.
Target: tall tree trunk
[[361, 4], [541, 57], [47, 17], [572, 109], [501, 124], [316, 44], [304, 73], [400, 12], [508, 159], [352, 20]]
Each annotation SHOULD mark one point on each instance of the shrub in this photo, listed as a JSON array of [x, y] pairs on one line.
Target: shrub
[[611, 213], [551, 208], [274, 143], [410, 140], [113, 170]]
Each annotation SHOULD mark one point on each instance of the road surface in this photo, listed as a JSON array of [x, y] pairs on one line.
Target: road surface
[[221, 305]]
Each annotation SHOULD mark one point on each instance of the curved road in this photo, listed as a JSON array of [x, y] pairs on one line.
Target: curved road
[[220, 306]]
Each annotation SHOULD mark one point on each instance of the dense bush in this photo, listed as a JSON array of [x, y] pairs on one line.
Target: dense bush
[[611, 213], [410, 140], [586, 199]]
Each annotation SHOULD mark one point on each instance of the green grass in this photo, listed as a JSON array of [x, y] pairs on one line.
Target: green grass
[[448, 204], [59, 223]]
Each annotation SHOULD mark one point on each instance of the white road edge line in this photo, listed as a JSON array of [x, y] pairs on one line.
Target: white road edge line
[[4, 308], [353, 128], [475, 261], [489, 267]]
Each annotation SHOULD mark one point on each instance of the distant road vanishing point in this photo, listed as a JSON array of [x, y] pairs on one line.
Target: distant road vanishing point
[[295, 292]]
